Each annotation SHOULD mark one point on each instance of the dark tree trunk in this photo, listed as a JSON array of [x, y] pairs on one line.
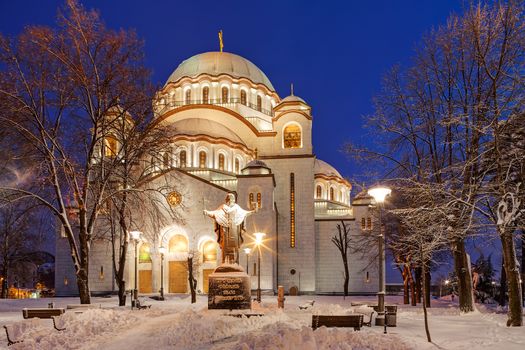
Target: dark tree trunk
[[515, 314], [503, 284], [462, 269], [83, 287], [192, 281], [412, 288], [5, 285], [426, 297], [347, 275], [427, 279], [523, 264], [406, 281], [418, 284]]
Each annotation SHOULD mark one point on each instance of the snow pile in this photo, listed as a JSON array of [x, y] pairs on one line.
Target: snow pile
[[80, 328], [284, 337]]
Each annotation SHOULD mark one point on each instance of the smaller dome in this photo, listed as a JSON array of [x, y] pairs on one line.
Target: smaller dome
[[322, 167], [293, 98], [362, 198], [256, 167]]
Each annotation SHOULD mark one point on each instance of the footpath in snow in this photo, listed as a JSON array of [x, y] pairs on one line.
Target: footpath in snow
[[177, 324]]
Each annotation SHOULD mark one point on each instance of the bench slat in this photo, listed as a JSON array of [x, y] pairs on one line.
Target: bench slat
[[42, 313], [355, 321]]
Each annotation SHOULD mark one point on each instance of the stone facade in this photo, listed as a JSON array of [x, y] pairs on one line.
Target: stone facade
[[235, 134]]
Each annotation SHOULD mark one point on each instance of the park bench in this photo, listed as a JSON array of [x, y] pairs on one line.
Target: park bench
[[139, 306], [355, 321], [83, 306], [42, 312], [247, 315]]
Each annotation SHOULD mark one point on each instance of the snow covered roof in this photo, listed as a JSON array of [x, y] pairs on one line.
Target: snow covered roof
[[217, 63], [322, 167]]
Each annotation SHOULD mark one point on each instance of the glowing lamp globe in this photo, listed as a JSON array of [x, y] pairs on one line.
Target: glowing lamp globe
[[379, 193], [135, 235], [162, 250], [259, 236], [247, 250]]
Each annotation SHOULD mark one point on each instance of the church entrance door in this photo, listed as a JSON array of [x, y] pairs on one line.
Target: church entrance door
[[178, 277], [205, 277], [145, 281]]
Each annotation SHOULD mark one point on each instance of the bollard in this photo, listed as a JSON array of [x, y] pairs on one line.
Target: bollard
[[280, 297]]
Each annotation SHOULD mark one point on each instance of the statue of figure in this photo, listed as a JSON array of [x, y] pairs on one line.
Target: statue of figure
[[229, 226]]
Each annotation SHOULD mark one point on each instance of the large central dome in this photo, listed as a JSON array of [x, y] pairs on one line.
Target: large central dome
[[217, 63]]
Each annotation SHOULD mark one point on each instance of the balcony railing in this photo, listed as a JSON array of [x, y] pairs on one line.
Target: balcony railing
[[232, 102]]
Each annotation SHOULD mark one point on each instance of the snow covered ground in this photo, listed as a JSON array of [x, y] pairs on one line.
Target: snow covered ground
[[176, 324]]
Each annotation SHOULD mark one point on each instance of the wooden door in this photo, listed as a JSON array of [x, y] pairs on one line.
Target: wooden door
[[178, 277], [145, 280], [205, 274]]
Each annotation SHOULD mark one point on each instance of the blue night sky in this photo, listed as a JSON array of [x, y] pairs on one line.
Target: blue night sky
[[335, 52]]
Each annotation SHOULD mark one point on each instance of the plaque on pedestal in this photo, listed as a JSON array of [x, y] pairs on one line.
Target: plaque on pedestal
[[229, 288]]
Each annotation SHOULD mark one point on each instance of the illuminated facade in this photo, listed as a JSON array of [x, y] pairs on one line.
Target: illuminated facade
[[236, 134]]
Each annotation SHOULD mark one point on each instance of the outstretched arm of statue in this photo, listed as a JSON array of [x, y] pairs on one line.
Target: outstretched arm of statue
[[208, 213]]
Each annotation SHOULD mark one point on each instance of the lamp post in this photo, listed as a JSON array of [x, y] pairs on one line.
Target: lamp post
[[135, 235], [162, 251], [379, 194], [258, 241], [247, 251]]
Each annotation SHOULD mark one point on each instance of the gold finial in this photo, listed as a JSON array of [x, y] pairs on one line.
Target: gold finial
[[291, 88], [221, 43], [256, 153]]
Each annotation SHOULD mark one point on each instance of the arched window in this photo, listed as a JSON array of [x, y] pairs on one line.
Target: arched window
[[178, 244], [187, 97], [243, 97], [221, 161], [332, 197], [182, 159], [225, 94], [110, 146], [252, 202], [209, 252], [318, 192], [166, 159], [205, 95], [292, 136], [237, 165], [144, 254], [259, 200], [259, 103], [202, 159]]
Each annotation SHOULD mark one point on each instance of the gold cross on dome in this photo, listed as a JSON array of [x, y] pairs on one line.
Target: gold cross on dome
[[221, 43]]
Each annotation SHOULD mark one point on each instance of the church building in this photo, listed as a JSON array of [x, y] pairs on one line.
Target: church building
[[235, 134]]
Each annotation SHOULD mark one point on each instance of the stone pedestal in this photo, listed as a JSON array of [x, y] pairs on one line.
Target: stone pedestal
[[229, 288]]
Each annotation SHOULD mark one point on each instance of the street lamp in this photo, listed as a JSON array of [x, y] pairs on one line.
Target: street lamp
[[258, 241], [162, 251], [247, 251], [379, 194], [135, 235]]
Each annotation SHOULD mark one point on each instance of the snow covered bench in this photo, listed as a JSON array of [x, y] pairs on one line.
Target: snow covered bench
[[42, 312], [355, 321], [80, 307]]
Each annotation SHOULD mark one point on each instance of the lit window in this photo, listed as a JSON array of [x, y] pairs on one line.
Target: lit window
[[110, 146], [292, 210], [205, 95], [252, 202], [259, 103], [243, 97], [237, 165], [363, 223], [332, 194], [225, 94], [259, 200], [178, 244], [182, 159], [202, 159], [318, 192], [367, 279], [187, 98], [209, 252], [221, 161], [368, 223], [292, 136], [101, 273], [144, 254]]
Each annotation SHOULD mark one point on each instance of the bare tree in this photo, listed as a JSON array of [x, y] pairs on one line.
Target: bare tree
[[342, 241], [58, 86]]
